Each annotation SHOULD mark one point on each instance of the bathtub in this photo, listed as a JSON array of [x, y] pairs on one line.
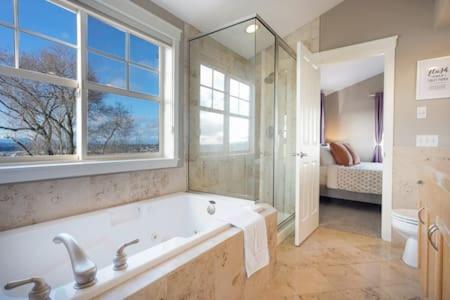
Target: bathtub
[[166, 226]]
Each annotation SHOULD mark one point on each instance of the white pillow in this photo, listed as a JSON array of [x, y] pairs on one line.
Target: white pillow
[[326, 158]]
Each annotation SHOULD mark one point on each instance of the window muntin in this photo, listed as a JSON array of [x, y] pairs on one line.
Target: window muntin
[[113, 62], [126, 76], [224, 112]]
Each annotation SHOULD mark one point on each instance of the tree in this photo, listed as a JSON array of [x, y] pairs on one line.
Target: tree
[[40, 117]]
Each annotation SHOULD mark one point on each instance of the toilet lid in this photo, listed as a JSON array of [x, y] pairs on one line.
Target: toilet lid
[[408, 215]]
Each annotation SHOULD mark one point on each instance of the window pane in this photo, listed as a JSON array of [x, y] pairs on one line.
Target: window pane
[[119, 124], [239, 134], [45, 56], [205, 76], [244, 91], [211, 131], [36, 118], [144, 81], [244, 108], [106, 71], [234, 105], [44, 17], [6, 46], [218, 100], [6, 11], [205, 97], [219, 81], [234, 88], [106, 38], [143, 52]]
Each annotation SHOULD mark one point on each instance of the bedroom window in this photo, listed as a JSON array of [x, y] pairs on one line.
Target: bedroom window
[[225, 108], [77, 86]]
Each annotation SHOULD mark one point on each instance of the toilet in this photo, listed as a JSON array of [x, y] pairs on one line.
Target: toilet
[[406, 223]]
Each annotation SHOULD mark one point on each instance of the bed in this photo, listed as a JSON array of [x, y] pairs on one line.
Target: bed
[[361, 182]]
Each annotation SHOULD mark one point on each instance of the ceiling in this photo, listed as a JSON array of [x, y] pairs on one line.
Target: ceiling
[[335, 77], [285, 16]]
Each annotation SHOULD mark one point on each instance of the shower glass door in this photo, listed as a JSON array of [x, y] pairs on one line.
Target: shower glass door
[[285, 140]]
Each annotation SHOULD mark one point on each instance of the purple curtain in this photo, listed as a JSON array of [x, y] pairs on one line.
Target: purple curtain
[[378, 151], [322, 118]]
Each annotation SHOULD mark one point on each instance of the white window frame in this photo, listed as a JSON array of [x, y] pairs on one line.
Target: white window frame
[[226, 149], [143, 24]]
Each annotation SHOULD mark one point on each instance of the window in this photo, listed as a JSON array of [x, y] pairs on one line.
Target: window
[[77, 86], [225, 112], [119, 123], [37, 118]]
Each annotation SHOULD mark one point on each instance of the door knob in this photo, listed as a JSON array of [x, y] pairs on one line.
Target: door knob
[[303, 154], [419, 215], [431, 230]]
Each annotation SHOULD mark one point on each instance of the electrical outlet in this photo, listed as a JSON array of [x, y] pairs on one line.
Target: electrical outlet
[[427, 140], [421, 112]]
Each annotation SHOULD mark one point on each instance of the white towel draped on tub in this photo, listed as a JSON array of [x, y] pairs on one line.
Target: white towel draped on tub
[[256, 249]]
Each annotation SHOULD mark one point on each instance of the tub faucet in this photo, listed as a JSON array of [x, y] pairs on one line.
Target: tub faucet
[[83, 268], [40, 291]]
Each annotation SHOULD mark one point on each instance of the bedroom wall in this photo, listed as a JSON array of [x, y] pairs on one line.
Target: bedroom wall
[[34, 202], [349, 116], [412, 21]]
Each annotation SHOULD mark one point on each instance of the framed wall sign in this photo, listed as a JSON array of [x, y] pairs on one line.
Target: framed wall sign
[[433, 78]]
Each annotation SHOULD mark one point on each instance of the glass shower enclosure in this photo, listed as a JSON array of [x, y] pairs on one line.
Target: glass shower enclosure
[[242, 109]]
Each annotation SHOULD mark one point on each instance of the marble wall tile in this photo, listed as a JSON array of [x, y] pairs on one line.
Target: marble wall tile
[[34, 202]]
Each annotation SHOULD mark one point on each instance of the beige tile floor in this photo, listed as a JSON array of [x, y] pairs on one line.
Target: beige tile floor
[[337, 265]]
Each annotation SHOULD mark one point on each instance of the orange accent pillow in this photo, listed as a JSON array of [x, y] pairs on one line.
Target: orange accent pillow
[[341, 155], [355, 156]]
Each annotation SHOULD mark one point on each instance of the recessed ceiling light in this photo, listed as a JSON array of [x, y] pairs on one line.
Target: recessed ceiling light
[[251, 28]]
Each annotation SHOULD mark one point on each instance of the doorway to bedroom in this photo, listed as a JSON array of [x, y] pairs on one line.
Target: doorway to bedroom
[[351, 133]]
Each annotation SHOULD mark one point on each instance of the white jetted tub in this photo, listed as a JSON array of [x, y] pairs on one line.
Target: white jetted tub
[[166, 226]]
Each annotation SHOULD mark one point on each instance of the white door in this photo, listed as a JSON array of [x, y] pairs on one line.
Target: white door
[[308, 145]]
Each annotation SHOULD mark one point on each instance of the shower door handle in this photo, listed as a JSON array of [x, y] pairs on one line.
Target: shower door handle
[[301, 154]]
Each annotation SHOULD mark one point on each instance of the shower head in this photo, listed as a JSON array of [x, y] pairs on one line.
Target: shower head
[[270, 78]]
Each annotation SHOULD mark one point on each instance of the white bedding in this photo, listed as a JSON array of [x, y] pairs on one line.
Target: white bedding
[[365, 177]]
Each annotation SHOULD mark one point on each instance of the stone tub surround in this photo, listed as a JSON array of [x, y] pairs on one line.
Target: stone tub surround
[[215, 269], [35, 202]]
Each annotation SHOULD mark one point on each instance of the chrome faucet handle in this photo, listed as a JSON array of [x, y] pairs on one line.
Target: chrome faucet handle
[[120, 259], [40, 291]]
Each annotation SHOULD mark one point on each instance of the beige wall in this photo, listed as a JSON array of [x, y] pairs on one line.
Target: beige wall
[[28, 203], [356, 21], [349, 115]]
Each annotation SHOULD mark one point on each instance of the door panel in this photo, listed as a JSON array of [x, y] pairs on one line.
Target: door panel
[[307, 159]]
